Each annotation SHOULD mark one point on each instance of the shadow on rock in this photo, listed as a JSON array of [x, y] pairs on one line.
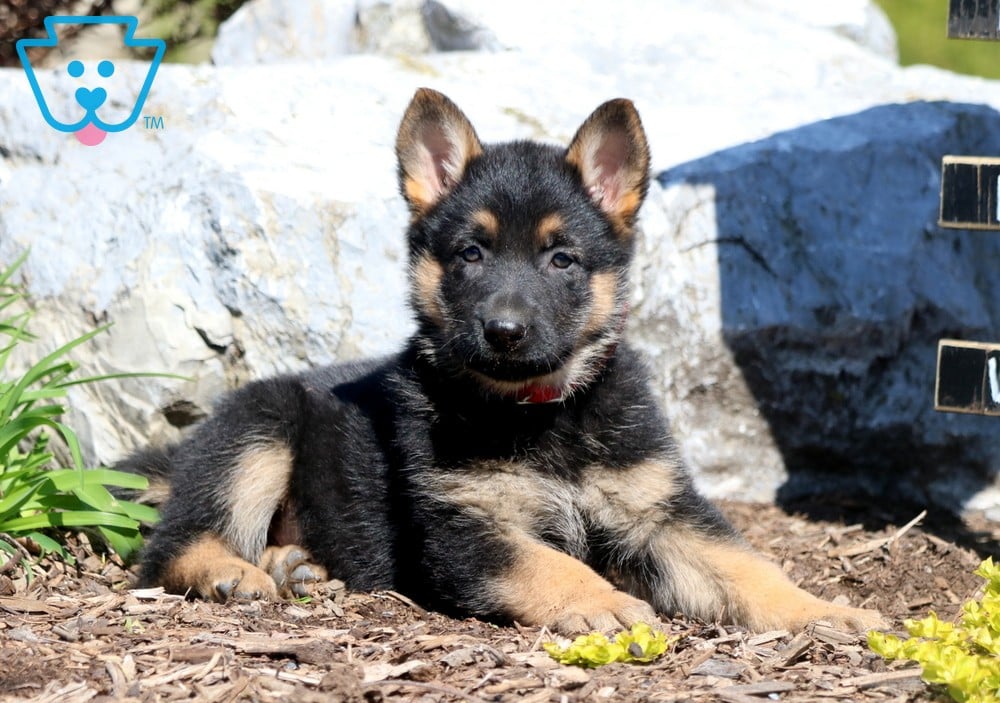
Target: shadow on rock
[[836, 283]]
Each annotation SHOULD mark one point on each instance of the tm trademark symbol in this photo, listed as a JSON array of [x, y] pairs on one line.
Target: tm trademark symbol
[[153, 121]]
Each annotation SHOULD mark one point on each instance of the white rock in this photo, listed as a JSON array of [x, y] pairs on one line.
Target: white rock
[[269, 31], [391, 27], [260, 230], [860, 21]]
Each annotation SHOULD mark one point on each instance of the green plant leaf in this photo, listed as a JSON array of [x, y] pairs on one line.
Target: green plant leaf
[[16, 431], [964, 657], [48, 366], [146, 514], [16, 501], [8, 272], [49, 545], [68, 479], [38, 499], [125, 542], [120, 375], [70, 518]]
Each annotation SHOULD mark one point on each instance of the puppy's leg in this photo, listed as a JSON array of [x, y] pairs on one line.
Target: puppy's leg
[[210, 569], [215, 528], [704, 569], [543, 586], [227, 482], [760, 596]]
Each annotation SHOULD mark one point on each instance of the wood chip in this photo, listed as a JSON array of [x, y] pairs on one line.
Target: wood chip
[[730, 696], [294, 611], [875, 544], [761, 688], [459, 657], [406, 601], [119, 682], [309, 650], [831, 635], [285, 675], [722, 668], [568, 677], [766, 637], [189, 671], [430, 642], [13, 604], [799, 645], [194, 654], [882, 679], [154, 594], [522, 684], [382, 671]]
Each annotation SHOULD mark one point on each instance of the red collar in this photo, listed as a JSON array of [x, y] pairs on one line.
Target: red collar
[[537, 393]]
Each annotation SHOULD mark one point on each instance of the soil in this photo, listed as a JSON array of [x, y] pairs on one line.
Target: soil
[[77, 633]]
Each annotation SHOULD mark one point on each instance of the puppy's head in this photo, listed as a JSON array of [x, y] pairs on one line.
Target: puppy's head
[[519, 251]]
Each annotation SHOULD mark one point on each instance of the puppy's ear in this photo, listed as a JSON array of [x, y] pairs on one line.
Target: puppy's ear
[[434, 145], [611, 153]]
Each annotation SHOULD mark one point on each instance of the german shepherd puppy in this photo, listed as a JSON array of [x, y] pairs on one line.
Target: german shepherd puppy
[[510, 462]]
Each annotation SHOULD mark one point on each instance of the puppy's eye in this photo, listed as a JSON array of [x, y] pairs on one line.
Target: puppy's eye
[[562, 260], [471, 254]]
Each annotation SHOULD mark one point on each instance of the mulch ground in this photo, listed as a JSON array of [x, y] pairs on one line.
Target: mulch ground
[[75, 634]]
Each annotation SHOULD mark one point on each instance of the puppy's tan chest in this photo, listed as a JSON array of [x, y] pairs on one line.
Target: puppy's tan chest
[[518, 495]]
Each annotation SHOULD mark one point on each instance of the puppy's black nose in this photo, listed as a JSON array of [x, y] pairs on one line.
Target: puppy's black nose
[[504, 334]]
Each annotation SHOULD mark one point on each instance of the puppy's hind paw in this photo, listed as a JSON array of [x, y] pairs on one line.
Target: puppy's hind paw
[[292, 569]]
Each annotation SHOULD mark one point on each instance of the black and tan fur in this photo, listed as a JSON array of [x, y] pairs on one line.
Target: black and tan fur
[[442, 472]]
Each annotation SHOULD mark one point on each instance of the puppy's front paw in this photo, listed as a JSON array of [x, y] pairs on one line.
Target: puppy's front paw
[[209, 568], [853, 619], [760, 596], [237, 579], [611, 610], [799, 609], [546, 587]]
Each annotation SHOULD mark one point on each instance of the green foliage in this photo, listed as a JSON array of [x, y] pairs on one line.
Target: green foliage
[[188, 26], [922, 28], [964, 657], [640, 645], [38, 498]]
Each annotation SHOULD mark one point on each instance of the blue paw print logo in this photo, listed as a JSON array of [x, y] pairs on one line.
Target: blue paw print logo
[[90, 128]]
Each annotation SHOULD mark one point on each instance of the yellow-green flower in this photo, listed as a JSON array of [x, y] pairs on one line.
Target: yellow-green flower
[[641, 644]]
